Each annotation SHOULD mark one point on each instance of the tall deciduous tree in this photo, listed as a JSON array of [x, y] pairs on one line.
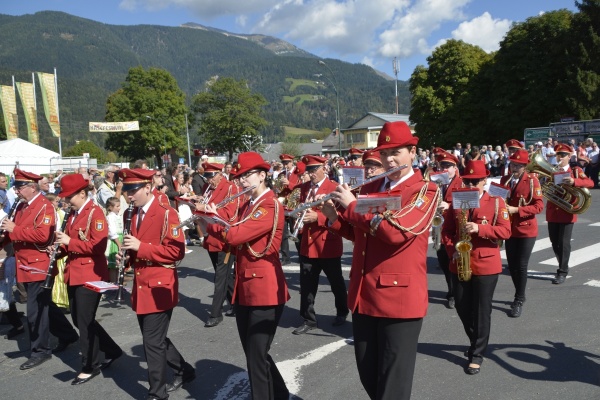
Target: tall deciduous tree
[[229, 116], [85, 146], [153, 98]]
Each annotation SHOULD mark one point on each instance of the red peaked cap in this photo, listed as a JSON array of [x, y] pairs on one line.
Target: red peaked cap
[[395, 134], [135, 178], [286, 157], [211, 170], [312, 161], [514, 143], [300, 168], [444, 156], [355, 152], [475, 169], [71, 184], [520, 156], [372, 156], [24, 177], [563, 148], [249, 161]]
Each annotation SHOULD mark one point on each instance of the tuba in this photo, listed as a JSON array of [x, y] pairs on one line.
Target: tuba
[[571, 199], [292, 200], [463, 247]]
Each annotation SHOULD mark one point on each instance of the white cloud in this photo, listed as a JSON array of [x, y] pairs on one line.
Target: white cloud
[[206, 9], [241, 20], [483, 31]]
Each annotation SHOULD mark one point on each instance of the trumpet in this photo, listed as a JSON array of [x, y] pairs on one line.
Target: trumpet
[[306, 206], [298, 226], [192, 220]]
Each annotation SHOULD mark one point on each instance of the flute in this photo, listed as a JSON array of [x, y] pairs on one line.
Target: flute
[[306, 206], [121, 265], [48, 281]]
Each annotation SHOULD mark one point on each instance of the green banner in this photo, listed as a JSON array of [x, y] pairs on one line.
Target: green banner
[[9, 108], [50, 101], [27, 95]]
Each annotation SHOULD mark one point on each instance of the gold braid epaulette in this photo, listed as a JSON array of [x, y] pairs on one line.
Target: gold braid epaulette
[[391, 216], [275, 220], [43, 247]]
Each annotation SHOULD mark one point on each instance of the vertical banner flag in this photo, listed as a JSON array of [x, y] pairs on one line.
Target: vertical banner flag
[[28, 101], [9, 107], [49, 97]]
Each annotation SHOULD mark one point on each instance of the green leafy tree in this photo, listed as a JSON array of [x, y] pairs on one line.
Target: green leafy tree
[[229, 116], [153, 98], [85, 146]]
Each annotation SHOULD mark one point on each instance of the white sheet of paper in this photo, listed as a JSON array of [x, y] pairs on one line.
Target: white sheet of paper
[[441, 179], [467, 199], [353, 175], [558, 178], [372, 205], [499, 191]]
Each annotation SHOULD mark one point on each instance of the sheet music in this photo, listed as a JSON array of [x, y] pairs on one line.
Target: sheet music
[[371, 204], [462, 198], [353, 175], [498, 190], [559, 176], [100, 286]]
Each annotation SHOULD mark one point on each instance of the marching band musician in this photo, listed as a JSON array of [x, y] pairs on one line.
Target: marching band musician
[[31, 233], [260, 288], [447, 162], [523, 204], [485, 225], [355, 157], [371, 160], [512, 145], [560, 222], [388, 280], [320, 250], [84, 242], [217, 189], [155, 245], [289, 178]]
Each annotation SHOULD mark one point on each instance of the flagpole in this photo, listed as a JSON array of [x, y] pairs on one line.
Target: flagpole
[[57, 112], [15, 90], [34, 96]]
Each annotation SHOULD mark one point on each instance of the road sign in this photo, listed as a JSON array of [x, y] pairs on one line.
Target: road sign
[[536, 133], [567, 129]]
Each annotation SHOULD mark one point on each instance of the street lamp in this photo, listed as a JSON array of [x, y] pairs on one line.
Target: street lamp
[[337, 99]]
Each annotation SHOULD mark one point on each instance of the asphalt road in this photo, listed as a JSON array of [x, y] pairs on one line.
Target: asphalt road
[[551, 352]]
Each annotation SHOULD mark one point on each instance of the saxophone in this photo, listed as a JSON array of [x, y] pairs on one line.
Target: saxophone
[[463, 247]]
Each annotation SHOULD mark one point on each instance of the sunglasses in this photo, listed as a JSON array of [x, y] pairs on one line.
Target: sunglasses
[[445, 165], [473, 181]]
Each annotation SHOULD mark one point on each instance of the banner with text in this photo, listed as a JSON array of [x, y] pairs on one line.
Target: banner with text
[[27, 95], [9, 108], [114, 126], [50, 102]]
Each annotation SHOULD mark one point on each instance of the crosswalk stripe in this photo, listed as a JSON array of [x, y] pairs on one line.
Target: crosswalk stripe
[[580, 256], [594, 283], [596, 224], [540, 244]]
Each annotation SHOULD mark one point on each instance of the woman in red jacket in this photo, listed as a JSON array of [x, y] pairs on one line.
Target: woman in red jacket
[[260, 291], [84, 241]]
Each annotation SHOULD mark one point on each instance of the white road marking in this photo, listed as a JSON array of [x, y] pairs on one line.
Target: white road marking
[[595, 224], [237, 386], [580, 256], [540, 244], [593, 283], [296, 268]]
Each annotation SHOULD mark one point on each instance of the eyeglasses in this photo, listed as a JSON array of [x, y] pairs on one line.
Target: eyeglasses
[[474, 181], [246, 175], [372, 166], [445, 165]]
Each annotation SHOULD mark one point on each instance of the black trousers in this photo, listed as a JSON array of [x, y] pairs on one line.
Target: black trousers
[[12, 315], [310, 270], [224, 281], [285, 243], [518, 251], [160, 352], [256, 326], [474, 307], [45, 318], [92, 336], [386, 351], [560, 237], [444, 262]]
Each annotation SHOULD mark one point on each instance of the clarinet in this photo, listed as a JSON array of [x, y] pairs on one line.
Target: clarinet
[[48, 282], [11, 214], [121, 265]]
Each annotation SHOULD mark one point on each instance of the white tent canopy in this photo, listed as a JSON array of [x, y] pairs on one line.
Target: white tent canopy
[[31, 157]]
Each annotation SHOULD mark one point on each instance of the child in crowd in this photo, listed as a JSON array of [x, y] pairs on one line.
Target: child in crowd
[[115, 236]]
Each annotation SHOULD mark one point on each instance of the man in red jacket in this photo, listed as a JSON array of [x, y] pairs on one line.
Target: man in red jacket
[[320, 250], [31, 233]]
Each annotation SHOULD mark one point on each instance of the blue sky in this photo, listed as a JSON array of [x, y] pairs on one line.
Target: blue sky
[[372, 32]]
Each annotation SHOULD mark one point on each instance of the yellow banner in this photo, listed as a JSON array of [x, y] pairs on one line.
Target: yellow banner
[[9, 108], [50, 105], [28, 102], [114, 126]]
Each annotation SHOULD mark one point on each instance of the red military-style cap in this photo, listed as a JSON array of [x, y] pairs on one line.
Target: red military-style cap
[[313, 162], [300, 168], [475, 169], [286, 157], [514, 143], [211, 170], [520, 156], [444, 156], [71, 184], [563, 148], [249, 161], [355, 152], [438, 150], [23, 177], [395, 134], [341, 162], [134, 179], [371, 156]]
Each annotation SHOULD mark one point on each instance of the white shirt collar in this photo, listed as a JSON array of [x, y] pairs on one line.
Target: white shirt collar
[[34, 197], [393, 184], [252, 201], [147, 205]]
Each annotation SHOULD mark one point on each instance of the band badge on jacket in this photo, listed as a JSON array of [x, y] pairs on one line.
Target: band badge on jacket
[[538, 192], [99, 225], [174, 231], [421, 201], [258, 214], [47, 219], [504, 213]]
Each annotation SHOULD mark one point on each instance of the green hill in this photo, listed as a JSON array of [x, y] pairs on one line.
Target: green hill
[[92, 59]]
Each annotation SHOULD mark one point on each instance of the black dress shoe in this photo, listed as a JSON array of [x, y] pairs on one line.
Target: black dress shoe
[[516, 309], [80, 381], [213, 322], [339, 320], [451, 303], [302, 329], [34, 362], [559, 279], [230, 312], [108, 361], [178, 381], [14, 332], [62, 345], [473, 370]]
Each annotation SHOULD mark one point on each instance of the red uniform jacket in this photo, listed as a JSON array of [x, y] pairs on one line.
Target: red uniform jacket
[[317, 240], [294, 180], [259, 280], [155, 287], [485, 256], [389, 269], [554, 213], [223, 190], [33, 233], [162, 198], [89, 236], [527, 190]]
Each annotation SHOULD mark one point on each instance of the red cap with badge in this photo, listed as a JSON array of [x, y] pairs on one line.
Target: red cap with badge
[[23, 177], [520, 156], [444, 156], [514, 143], [355, 152], [134, 179], [563, 148], [286, 157], [395, 134], [71, 184], [313, 162], [211, 170], [300, 168], [475, 169], [371, 156], [249, 161]]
